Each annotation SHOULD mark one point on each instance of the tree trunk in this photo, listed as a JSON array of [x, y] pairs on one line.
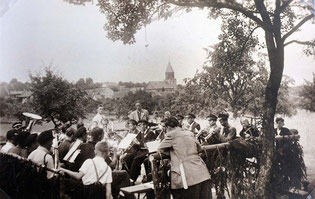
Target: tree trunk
[[276, 59]]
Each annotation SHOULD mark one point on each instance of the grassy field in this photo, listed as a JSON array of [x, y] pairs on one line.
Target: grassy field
[[303, 121]]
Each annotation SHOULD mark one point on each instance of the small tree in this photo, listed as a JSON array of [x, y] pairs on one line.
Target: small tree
[[56, 99]]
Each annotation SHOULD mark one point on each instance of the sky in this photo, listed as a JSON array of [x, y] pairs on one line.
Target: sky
[[37, 33]]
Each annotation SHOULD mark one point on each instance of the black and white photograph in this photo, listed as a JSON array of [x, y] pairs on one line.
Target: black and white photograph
[[157, 99]]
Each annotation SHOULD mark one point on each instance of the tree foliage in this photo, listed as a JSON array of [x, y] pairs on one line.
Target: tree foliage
[[13, 108], [88, 83], [307, 94], [56, 99]]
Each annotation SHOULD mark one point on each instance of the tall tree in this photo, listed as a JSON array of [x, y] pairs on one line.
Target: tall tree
[[278, 19], [56, 99]]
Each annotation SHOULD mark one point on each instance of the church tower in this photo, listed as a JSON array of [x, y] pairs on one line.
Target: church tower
[[170, 75]]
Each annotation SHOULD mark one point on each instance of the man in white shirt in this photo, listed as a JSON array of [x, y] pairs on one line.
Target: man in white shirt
[[95, 170], [11, 135], [98, 118], [42, 154]]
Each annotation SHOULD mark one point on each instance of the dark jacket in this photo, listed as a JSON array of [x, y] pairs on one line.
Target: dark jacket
[[227, 133], [87, 152], [251, 131], [283, 131]]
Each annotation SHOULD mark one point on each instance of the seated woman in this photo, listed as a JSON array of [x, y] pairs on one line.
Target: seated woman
[[95, 171]]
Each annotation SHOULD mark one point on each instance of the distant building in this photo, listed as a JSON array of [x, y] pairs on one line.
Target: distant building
[[120, 94], [166, 86], [135, 89], [100, 93]]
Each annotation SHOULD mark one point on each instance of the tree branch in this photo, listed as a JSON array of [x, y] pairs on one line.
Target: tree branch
[[296, 27], [264, 14], [231, 6], [284, 5], [300, 42]]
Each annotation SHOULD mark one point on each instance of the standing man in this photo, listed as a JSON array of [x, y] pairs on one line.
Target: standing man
[[98, 118], [227, 132], [190, 177], [139, 113], [193, 125], [281, 130]]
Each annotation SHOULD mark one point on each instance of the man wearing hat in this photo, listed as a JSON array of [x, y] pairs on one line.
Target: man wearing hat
[[11, 138], [211, 133], [227, 132], [193, 125], [139, 113], [17, 125], [42, 154]]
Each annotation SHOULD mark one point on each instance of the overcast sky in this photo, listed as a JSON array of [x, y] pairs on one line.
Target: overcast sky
[[37, 33]]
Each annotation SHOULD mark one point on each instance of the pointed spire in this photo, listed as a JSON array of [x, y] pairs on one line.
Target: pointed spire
[[169, 68]]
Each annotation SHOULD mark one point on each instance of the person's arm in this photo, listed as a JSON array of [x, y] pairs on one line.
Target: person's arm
[[114, 159], [14, 150], [147, 115], [242, 133], [108, 191], [166, 143], [231, 135], [93, 125], [75, 175]]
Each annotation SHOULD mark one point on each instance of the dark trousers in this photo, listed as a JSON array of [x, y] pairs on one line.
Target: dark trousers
[[129, 159], [136, 166], [120, 179], [197, 191]]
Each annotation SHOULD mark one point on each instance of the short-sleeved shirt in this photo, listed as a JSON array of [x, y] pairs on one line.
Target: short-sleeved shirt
[[88, 170], [98, 118], [41, 156], [7, 147]]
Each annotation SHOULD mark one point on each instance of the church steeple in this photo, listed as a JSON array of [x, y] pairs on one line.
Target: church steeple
[[169, 73]]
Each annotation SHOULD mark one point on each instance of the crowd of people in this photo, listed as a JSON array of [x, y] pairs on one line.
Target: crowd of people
[[87, 154]]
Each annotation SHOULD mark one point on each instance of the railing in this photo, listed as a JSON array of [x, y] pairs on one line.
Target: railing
[[156, 157]]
